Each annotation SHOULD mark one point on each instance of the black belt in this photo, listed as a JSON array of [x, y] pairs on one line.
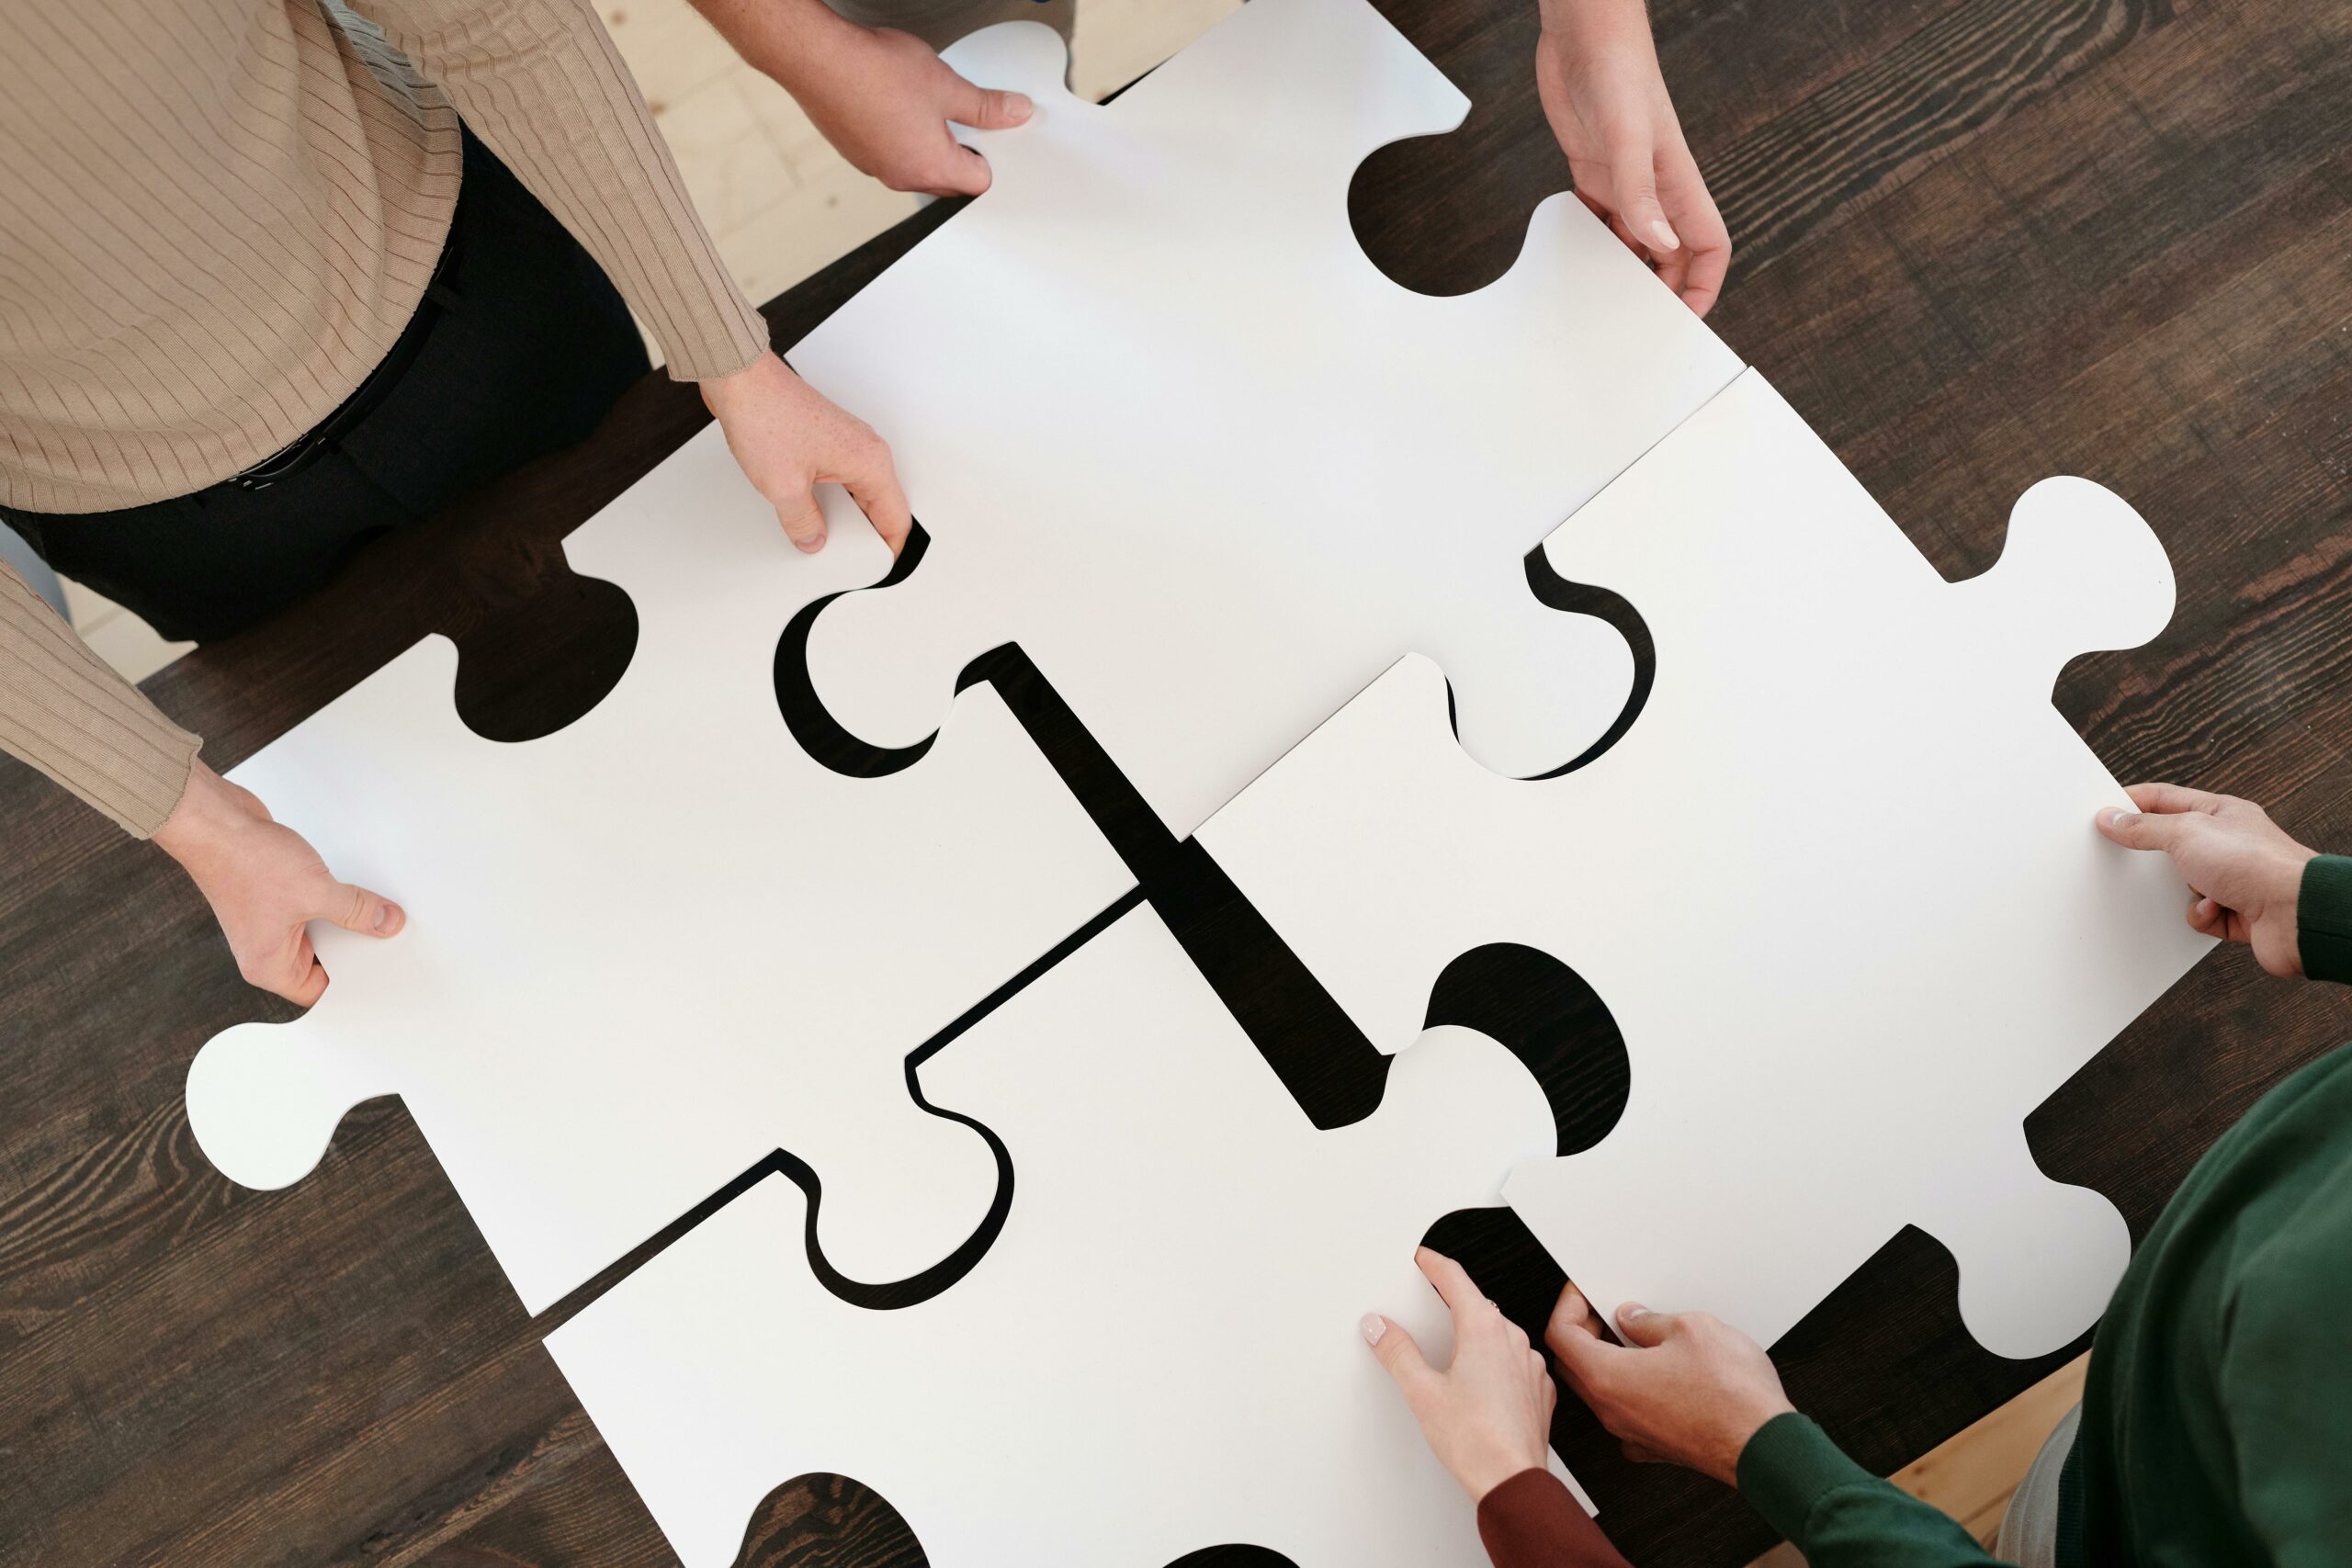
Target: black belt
[[439, 300]]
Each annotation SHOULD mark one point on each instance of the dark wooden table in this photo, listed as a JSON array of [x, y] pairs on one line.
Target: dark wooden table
[[1980, 240]]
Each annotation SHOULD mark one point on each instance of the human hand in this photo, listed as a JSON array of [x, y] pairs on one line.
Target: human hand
[[1487, 1416], [2245, 871], [1596, 74], [790, 438], [266, 884], [882, 97], [1684, 1388]]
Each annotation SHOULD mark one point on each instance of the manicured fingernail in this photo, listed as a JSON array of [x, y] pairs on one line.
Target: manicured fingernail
[[1373, 1327], [1662, 234], [387, 918], [2118, 820], [1632, 1309], [1017, 105]]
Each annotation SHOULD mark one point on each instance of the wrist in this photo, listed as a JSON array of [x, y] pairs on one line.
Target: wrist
[[1741, 1425], [209, 809], [722, 394], [1481, 1473]]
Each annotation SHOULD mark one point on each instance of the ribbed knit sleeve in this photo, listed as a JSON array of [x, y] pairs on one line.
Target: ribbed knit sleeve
[[540, 82], [64, 712]]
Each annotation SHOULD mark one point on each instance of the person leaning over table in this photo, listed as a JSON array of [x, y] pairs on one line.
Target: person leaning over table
[[867, 73], [279, 275], [2215, 1429]]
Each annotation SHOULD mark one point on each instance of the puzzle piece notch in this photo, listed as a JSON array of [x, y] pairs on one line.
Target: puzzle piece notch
[[1162, 1345], [1172, 433], [1794, 946], [654, 947]]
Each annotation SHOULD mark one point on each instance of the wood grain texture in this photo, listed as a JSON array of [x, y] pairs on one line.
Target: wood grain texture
[[1980, 241]]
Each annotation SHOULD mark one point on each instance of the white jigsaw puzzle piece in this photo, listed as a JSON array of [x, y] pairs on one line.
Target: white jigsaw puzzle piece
[[1160, 1352], [649, 949], [1839, 884], [1171, 431]]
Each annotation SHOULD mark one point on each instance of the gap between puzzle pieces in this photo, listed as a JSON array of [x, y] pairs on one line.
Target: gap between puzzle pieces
[[653, 948], [1163, 1341], [1839, 884], [1171, 432]]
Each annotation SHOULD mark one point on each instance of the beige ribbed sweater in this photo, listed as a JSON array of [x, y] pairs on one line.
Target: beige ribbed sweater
[[215, 215]]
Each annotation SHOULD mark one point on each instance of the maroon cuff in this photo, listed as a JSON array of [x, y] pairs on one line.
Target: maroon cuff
[[1532, 1521]]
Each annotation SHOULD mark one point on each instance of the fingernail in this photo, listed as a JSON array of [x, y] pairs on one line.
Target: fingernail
[[1018, 103], [1373, 1327], [2118, 820], [1662, 234], [1632, 1309], [387, 918], [810, 546]]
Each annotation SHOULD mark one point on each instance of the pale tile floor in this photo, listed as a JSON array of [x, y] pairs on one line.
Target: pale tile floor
[[782, 204]]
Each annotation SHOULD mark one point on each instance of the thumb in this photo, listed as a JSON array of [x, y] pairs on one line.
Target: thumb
[[987, 109], [360, 909], [1397, 1353], [2142, 829], [1643, 1327], [1634, 171], [804, 524]]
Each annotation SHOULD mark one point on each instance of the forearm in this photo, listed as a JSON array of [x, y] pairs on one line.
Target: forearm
[[1532, 1521], [68, 715], [781, 38], [539, 81], [1594, 26], [1839, 1515]]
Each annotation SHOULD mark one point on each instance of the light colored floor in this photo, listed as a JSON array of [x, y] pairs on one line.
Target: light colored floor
[[1972, 1473], [782, 204]]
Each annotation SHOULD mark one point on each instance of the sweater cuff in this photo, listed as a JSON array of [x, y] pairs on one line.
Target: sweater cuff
[[1533, 1521], [2324, 918], [1789, 1466]]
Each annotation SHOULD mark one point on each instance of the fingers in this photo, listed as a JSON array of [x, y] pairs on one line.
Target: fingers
[[985, 108], [804, 524], [961, 172], [1633, 172], [1398, 1354], [2208, 919], [2169, 797], [1706, 244], [875, 487], [306, 990], [1641, 1326], [2142, 829], [1453, 1282], [357, 909]]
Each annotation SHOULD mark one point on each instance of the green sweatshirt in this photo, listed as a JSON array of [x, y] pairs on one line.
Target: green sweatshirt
[[2217, 1417]]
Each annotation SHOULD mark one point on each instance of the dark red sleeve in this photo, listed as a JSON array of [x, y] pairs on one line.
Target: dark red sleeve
[[1532, 1521]]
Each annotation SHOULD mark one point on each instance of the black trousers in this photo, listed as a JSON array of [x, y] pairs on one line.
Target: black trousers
[[526, 345]]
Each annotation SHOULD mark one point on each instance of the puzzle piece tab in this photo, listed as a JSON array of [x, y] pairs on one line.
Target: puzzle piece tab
[[1160, 1352], [1839, 884], [1174, 434], [653, 947]]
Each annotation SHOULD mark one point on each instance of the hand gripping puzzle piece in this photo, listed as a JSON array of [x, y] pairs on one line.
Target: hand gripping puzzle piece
[[655, 946], [1160, 1352], [1171, 432], [1839, 884]]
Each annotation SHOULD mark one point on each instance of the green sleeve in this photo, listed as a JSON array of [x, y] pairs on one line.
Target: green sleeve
[[2324, 918], [1839, 1515], [2285, 1385]]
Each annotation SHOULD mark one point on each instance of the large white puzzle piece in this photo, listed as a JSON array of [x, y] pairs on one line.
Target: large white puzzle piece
[[1160, 1352], [651, 948], [1173, 433], [1839, 884]]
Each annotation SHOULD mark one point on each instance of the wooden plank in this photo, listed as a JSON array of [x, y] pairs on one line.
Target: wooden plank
[[1980, 240]]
